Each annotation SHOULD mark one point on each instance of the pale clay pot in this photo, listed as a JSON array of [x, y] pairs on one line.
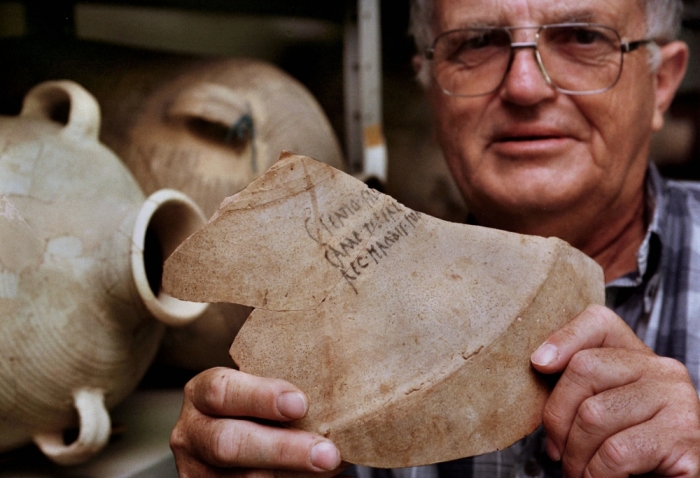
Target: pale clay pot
[[208, 128], [77, 327]]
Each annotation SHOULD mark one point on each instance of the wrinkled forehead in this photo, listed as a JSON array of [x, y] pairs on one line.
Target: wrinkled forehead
[[626, 16]]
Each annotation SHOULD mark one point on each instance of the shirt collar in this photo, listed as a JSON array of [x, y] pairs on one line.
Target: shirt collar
[[655, 207]]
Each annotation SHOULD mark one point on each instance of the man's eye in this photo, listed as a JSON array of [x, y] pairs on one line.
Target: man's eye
[[577, 36], [466, 44], [585, 36], [472, 47], [478, 41]]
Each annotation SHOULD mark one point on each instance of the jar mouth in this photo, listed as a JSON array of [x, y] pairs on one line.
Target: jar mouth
[[165, 220]]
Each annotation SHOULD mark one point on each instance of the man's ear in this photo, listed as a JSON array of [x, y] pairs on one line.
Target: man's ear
[[417, 63], [420, 68], [674, 60]]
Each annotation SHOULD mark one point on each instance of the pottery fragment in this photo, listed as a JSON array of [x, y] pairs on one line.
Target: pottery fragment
[[410, 335]]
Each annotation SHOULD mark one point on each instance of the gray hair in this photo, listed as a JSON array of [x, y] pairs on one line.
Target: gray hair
[[663, 25], [663, 19]]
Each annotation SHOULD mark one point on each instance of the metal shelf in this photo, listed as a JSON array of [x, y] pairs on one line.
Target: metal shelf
[[365, 146]]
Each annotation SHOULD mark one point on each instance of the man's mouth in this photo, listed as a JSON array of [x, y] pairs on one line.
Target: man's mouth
[[527, 138], [528, 141]]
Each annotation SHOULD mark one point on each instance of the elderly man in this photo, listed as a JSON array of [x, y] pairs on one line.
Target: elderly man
[[544, 111]]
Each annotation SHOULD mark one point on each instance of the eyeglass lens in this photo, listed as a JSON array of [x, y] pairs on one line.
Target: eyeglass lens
[[577, 58]]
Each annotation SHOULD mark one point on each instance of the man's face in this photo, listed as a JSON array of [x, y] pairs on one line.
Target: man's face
[[527, 149]]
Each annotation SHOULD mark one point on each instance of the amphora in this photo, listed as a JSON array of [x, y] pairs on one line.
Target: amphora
[[208, 127], [81, 252]]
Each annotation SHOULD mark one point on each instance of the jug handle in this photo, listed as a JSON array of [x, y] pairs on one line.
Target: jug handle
[[51, 100], [172, 216], [95, 428]]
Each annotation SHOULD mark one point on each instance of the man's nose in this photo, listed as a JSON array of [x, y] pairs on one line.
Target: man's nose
[[525, 83]]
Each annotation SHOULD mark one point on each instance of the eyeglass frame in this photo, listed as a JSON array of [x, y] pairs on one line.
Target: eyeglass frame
[[625, 47]]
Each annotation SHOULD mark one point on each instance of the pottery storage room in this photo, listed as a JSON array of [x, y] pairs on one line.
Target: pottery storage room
[[123, 126]]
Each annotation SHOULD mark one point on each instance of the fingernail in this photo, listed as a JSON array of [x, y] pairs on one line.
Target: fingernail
[[325, 455], [546, 354], [552, 450], [292, 405]]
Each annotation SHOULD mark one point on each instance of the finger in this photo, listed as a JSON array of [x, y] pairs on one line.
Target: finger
[[603, 416], [226, 392], [238, 443], [201, 470], [596, 326], [636, 451], [295, 474], [589, 372]]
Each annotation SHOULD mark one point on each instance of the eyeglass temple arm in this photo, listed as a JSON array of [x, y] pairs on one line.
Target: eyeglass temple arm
[[629, 46]]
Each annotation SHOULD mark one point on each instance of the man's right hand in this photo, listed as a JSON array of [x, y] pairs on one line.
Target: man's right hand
[[216, 434]]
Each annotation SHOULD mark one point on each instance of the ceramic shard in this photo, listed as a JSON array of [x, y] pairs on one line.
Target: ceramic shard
[[411, 335]]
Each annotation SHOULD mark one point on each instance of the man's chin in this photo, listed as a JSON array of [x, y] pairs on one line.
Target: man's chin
[[520, 205]]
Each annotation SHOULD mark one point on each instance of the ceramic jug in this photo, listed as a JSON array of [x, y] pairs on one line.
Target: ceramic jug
[[208, 127], [81, 253]]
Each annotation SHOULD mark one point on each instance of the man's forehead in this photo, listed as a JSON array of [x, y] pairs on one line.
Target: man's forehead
[[619, 14]]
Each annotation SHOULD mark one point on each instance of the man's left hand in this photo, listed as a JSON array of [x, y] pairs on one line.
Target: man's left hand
[[618, 408]]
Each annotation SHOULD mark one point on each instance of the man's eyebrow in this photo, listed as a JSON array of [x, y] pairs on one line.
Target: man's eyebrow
[[568, 16], [577, 16], [478, 24]]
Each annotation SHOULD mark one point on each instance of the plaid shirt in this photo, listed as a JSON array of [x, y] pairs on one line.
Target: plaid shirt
[[657, 301]]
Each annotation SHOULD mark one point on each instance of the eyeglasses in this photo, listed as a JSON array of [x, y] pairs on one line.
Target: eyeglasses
[[575, 58]]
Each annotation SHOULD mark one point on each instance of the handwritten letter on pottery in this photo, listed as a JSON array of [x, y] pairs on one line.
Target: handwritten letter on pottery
[[410, 335]]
